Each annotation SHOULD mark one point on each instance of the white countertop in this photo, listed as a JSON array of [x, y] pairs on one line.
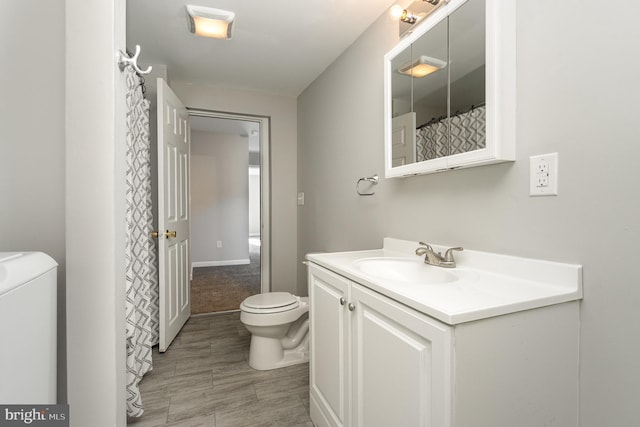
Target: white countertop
[[489, 285]]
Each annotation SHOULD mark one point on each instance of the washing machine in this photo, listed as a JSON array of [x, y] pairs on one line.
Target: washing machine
[[28, 328]]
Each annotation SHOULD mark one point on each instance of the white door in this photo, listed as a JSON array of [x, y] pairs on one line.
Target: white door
[[173, 214], [403, 139]]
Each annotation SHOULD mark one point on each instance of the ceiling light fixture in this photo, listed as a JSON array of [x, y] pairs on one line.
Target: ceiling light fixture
[[422, 66], [209, 22]]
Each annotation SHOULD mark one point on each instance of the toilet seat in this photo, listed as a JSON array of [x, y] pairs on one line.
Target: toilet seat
[[270, 302]]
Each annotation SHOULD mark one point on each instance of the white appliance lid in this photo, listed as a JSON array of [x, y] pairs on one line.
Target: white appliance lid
[[270, 300], [18, 268]]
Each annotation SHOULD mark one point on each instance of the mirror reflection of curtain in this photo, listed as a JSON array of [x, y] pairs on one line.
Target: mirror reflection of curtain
[[467, 130], [431, 140]]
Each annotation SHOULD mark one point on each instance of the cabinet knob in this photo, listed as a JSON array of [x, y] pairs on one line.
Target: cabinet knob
[[343, 301], [351, 307]]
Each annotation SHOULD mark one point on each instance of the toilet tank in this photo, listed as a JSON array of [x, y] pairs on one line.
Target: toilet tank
[[28, 334]]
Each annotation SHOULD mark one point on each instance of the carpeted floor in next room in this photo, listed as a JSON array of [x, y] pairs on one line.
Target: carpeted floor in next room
[[215, 289]]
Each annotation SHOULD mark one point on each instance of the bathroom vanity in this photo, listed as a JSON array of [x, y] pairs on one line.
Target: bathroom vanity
[[492, 342]]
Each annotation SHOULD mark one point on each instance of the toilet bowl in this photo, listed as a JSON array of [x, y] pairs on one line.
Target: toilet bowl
[[279, 326]]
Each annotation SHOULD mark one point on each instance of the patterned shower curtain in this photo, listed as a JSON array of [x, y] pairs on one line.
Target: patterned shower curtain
[[467, 133], [142, 292]]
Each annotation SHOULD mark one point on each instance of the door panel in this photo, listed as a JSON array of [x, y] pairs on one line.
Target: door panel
[[173, 214], [329, 350], [403, 139], [400, 360]]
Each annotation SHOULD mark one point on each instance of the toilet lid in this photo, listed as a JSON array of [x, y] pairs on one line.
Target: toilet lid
[[271, 300]]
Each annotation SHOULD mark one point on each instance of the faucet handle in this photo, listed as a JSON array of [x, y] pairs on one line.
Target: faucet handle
[[423, 248], [448, 255], [428, 246]]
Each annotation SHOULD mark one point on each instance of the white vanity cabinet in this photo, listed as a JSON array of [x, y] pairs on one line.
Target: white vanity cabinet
[[377, 362], [374, 362]]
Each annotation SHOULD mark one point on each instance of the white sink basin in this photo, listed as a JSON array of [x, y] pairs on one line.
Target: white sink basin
[[405, 270]]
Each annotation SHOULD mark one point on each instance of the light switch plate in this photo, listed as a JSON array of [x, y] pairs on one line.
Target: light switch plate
[[543, 175]]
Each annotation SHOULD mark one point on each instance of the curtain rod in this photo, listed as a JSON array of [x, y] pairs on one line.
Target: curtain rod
[[435, 120]]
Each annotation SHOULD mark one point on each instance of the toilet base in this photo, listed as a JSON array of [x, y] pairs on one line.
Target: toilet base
[[267, 353]]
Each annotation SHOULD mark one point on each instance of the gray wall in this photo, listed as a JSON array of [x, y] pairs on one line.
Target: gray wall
[[577, 95], [219, 197], [32, 162]]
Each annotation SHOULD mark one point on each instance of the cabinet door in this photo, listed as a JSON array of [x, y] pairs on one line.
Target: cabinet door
[[401, 363], [329, 373]]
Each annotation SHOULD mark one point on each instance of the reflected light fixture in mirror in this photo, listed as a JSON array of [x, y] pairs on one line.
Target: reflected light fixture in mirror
[[422, 66], [209, 22]]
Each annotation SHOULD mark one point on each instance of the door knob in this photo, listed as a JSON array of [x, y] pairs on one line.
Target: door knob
[[343, 301], [168, 234], [351, 307], [154, 234]]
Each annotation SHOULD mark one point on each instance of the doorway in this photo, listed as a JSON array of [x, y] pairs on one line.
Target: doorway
[[229, 209]]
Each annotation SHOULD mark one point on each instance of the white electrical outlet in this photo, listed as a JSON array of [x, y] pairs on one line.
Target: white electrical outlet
[[543, 170], [301, 199], [219, 243], [543, 166]]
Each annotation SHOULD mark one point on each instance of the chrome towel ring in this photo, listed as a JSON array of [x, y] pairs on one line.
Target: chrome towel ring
[[373, 180]]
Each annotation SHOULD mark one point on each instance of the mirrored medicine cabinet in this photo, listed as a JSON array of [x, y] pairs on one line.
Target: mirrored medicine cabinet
[[450, 90]]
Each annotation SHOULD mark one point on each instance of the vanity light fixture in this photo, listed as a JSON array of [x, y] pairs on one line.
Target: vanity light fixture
[[408, 17], [422, 66], [418, 10], [404, 15], [209, 22]]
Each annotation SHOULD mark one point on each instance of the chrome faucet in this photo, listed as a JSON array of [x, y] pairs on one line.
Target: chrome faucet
[[435, 258]]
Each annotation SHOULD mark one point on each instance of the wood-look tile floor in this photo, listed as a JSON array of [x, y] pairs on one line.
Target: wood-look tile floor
[[204, 379]]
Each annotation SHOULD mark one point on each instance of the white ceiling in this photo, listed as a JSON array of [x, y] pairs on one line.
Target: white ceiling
[[278, 46]]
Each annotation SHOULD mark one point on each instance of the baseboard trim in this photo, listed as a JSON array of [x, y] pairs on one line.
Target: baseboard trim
[[220, 263]]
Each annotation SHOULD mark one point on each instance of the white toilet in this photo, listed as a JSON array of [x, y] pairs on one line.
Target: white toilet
[[279, 326]]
